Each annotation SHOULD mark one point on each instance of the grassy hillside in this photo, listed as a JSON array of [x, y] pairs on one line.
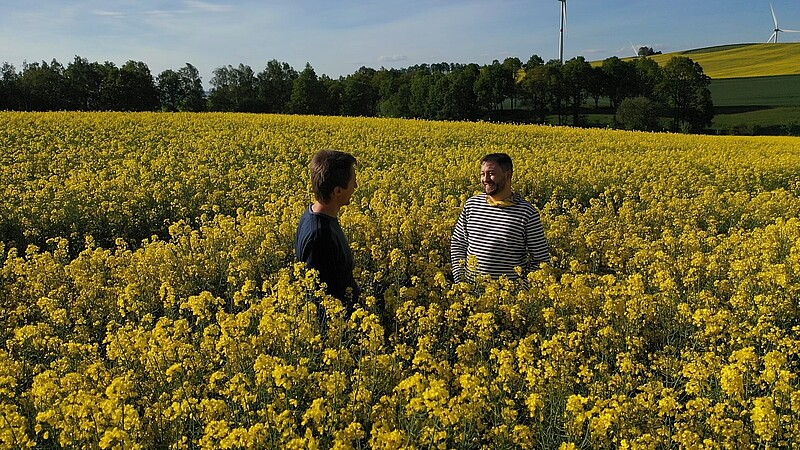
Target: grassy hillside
[[779, 121], [757, 105], [757, 91], [743, 60], [755, 87]]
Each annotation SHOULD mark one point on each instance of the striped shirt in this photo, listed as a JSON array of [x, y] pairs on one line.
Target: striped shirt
[[501, 237]]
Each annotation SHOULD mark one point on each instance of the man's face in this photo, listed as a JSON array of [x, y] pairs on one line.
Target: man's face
[[494, 179], [347, 193]]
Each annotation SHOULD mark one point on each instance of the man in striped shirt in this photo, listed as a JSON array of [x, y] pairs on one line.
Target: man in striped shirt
[[499, 227]]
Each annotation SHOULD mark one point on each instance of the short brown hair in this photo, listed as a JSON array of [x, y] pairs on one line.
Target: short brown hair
[[501, 159], [330, 168]]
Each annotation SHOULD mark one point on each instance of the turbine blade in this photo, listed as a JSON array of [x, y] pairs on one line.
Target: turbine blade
[[635, 52], [774, 17], [791, 31], [774, 36]]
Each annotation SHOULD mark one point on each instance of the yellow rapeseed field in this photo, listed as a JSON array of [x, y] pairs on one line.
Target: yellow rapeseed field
[[149, 298]]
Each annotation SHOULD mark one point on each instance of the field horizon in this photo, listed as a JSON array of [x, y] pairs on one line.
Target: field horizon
[[746, 60]]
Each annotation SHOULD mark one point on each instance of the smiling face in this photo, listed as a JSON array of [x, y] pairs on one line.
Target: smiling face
[[496, 181]]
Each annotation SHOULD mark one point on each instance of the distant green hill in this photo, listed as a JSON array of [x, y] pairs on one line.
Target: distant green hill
[[772, 91], [755, 87], [743, 60], [757, 105]]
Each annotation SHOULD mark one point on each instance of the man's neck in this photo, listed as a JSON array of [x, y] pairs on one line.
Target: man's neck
[[329, 209], [500, 196]]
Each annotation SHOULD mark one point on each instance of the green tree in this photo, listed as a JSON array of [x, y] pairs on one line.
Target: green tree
[[638, 113], [620, 80], [513, 66], [181, 90], [646, 51], [420, 101], [9, 87], [398, 103], [43, 87], [308, 93], [443, 68], [533, 61], [193, 95], [441, 102], [111, 90], [84, 85], [388, 83], [648, 76], [452, 94], [275, 84], [137, 89], [535, 92], [234, 89], [333, 97], [221, 97], [684, 88], [494, 85], [462, 92], [359, 95], [394, 90], [168, 84], [576, 81], [595, 86], [554, 78]]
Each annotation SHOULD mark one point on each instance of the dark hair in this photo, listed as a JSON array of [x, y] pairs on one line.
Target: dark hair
[[501, 159], [329, 169]]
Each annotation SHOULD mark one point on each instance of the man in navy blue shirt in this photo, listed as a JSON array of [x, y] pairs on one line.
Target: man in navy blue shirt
[[320, 241]]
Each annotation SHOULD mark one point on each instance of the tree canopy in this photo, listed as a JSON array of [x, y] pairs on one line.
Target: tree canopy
[[532, 91]]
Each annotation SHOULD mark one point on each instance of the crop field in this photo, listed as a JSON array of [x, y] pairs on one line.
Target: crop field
[[761, 91], [149, 297], [743, 60]]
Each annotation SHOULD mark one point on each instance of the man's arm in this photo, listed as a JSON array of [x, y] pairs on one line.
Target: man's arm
[[319, 253], [458, 246], [537, 246]]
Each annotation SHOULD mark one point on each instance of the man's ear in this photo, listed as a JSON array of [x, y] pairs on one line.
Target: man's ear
[[337, 190]]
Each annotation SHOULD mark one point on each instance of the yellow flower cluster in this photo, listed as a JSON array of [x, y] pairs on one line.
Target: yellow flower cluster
[[150, 299]]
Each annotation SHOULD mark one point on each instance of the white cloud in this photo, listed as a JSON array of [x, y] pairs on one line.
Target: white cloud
[[104, 13], [393, 58], [209, 7]]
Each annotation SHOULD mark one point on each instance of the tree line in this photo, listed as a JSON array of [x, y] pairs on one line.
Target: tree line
[[637, 93]]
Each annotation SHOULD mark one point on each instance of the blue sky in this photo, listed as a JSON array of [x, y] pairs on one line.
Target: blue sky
[[338, 37]]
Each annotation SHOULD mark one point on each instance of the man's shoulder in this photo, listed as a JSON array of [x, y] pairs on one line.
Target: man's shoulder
[[476, 199], [526, 205], [314, 225], [522, 201]]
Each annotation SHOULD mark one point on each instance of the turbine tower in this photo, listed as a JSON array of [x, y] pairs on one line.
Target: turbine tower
[[774, 37], [563, 23]]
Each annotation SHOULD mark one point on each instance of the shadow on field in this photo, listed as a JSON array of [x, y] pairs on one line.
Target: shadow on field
[[740, 109]]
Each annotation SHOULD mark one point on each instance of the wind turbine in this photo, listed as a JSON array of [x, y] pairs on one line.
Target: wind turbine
[[563, 24], [774, 37]]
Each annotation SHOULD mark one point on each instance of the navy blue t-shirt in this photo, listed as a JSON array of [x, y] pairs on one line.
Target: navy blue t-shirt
[[322, 245]]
